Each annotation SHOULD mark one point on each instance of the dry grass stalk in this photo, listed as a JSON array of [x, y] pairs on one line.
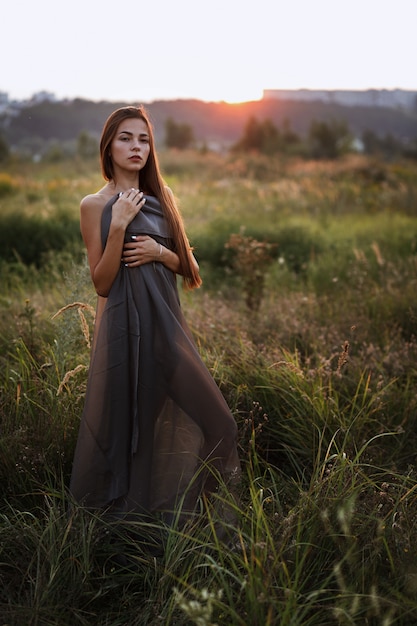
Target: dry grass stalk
[[81, 307], [376, 250], [360, 256], [84, 327], [73, 305], [68, 376], [343, 357], [291, 366]]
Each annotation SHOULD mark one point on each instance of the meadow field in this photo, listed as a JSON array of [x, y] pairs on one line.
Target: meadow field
[[307, 319]]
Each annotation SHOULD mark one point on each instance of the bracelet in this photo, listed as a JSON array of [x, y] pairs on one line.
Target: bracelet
[[160, 249]]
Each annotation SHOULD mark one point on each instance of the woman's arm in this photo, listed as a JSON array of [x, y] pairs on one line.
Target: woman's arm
[[144, 249], [104, 264]]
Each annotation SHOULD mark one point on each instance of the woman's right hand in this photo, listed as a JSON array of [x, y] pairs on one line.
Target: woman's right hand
[[127, 206]]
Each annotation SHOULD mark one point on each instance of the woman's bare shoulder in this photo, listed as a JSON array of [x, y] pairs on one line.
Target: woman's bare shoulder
[[95, 201]]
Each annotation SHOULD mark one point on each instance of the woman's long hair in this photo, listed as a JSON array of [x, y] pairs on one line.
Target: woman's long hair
[[151, 182]]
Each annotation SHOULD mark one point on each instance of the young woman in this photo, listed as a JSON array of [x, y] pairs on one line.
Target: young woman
[[155, 430]]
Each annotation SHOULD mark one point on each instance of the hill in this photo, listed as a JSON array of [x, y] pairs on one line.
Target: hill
[[217, 122]]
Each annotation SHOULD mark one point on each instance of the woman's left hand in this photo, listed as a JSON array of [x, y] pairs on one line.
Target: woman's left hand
[[142, 249]]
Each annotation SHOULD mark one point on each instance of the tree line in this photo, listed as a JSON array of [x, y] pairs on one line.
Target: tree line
[[324, 140]]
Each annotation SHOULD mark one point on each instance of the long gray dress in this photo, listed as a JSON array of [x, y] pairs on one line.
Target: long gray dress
[[153, 417]]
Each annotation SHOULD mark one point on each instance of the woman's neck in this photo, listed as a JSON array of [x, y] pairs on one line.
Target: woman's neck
[[124, 182]]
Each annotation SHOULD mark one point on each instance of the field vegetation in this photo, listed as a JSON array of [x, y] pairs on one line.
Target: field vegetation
[[307, 319]]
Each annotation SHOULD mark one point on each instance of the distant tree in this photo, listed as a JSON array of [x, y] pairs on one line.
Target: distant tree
[[270, 137], [328, 140], [386, 146], [266, 138], [179, 136], [260, 136], [87, 145], [54, 153], [4, 149], [252, 135], [391, 147], [288, 136], [371, 142], [410, 149]]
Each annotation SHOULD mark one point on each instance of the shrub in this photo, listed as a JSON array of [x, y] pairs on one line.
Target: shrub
[[251, 259], [29, 238], [7, 185]]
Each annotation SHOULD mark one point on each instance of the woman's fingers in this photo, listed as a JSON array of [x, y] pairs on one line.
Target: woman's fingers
[[140, 250], [134, 196]]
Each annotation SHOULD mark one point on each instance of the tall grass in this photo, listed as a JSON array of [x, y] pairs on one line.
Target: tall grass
[[320, 374]]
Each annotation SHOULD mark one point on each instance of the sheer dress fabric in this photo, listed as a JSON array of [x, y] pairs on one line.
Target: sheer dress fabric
[[153, 417]]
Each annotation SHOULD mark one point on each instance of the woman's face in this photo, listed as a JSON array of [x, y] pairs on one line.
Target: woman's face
[[131, 145]]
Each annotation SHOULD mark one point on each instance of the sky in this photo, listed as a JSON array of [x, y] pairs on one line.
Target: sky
[[222, 50]]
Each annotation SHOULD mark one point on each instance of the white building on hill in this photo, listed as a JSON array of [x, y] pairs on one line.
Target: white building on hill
[[391, 98]]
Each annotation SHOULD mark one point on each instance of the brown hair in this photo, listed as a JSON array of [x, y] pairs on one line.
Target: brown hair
[[152, 182]]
